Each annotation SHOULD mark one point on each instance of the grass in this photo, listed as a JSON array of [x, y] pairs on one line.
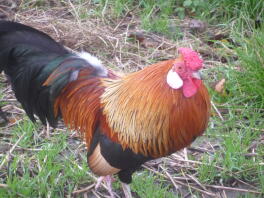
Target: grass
[[153, 186], [252, 60], [157, 15], [226, 161], [39, 167]]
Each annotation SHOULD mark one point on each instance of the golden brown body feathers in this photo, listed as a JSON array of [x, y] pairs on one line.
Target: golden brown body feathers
[[151, 118], [139, 111]]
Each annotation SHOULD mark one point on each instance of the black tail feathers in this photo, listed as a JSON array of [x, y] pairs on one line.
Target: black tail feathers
[[28, 57], [14, 36], [12, 33]]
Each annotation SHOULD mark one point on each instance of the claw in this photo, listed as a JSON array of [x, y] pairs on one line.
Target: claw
[[108, 181], [99, 182]]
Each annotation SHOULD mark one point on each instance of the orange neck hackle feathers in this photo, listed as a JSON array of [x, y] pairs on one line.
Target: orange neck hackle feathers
[[151, 118]]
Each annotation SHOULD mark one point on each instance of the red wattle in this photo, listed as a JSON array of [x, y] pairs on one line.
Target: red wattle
[[190, 87], [197, 82]]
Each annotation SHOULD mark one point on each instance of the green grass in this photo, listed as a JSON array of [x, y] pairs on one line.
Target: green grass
[[158, 15], [251, 80], [153, 186], [242, 104], [43, 170], [228, 10], [243, 123]]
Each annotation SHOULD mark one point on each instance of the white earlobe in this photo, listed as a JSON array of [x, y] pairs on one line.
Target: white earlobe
[[174, 80]]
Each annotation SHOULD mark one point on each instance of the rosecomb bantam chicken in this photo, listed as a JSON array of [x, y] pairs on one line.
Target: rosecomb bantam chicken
[[124, 120]]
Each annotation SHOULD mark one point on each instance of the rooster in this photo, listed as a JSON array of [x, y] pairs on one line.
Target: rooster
[[125, 120]]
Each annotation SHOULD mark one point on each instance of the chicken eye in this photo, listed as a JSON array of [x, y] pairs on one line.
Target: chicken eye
[[178, 67]]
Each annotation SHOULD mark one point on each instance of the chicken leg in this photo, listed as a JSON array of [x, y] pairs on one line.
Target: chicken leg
[[127, 190], [108, 181]]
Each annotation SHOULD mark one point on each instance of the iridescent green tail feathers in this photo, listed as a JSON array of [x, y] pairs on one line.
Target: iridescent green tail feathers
[[28, 57]]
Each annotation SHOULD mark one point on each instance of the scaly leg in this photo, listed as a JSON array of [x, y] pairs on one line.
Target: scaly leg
[[108, 181], [127, 190]]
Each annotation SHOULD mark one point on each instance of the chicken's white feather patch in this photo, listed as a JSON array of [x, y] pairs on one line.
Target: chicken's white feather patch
[[94, 62], [174, 80]]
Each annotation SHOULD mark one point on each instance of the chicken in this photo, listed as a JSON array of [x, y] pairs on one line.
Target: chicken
[[125, 120]]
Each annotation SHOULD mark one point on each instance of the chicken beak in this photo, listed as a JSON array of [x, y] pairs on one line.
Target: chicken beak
[[197, 75]]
